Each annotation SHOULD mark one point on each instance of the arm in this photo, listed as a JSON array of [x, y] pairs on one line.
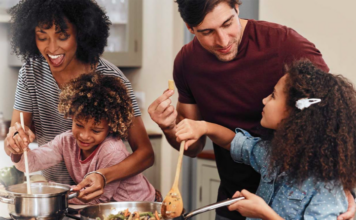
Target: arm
[[166, 116], [191, 131], [350, 213], [41, 158], [16, 144], [141, 158], [253, 206]]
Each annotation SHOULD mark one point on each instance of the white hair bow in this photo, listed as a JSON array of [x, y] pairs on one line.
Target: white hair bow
[[305, 103]]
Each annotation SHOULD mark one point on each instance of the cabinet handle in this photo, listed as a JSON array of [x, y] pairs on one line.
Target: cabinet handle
[[200, 194]]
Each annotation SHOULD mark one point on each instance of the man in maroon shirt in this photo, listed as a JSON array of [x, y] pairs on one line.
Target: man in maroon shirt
[[222, 75]]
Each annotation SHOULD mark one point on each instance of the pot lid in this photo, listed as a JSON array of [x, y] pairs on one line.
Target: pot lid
[[38, 189]]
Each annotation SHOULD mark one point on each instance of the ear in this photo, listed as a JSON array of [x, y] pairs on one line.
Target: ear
[[190, 28], [237, 9]]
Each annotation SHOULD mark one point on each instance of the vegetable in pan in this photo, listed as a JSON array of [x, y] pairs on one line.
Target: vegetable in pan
[[126, 215]]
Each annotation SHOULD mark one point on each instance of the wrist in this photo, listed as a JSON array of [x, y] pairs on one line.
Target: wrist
[[204, 126], [98, 173], [168, 129]]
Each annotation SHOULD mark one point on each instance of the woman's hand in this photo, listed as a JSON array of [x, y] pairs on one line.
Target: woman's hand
[[93, 187], [253, 206], [16, 143], [190, 131]]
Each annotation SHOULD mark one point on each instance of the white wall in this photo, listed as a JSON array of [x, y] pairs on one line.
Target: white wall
[[330, 25], [8, 75], [163, 37]]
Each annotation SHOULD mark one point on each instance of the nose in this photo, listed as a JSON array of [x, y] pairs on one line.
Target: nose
[[52, 46], [84, 135], [222, 38], [264, 101]]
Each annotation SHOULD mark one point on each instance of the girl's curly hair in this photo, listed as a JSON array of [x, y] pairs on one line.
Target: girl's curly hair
[[98, 96], [318, 141], [90, 21]]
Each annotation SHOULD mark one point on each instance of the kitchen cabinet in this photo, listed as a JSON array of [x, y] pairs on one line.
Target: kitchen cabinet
[[124, 46], [208, 182]]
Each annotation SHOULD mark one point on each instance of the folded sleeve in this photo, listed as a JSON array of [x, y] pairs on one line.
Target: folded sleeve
[[248, 150], [43, 157]]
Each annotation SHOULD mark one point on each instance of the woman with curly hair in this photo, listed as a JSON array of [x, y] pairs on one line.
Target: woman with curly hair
[[101, 113], [310, 159], [60, 40]]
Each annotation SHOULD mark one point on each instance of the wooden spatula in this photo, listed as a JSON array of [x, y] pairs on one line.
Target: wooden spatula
[[172, 205], [26, 160]]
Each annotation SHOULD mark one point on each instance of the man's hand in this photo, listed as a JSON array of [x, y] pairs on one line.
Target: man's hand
[[253, 206], [93, 187], [190, 131], [162, 112], [350, 213]]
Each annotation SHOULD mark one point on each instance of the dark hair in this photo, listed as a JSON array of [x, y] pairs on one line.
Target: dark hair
[[318, 141], [193, 12], [98, 96], [90, 21]]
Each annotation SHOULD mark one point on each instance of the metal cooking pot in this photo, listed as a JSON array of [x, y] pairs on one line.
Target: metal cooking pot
[[47, 201]]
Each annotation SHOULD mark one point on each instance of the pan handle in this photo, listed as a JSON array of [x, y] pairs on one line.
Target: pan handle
[[212, 207], [73, 195], [7, 200], [70, 210]]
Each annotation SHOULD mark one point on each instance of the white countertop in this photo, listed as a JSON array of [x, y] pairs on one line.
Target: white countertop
[[5, 161]]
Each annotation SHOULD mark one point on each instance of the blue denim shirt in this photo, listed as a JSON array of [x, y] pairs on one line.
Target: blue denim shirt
[[308, 200]]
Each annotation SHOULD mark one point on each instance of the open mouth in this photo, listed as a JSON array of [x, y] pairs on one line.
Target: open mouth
[[56, 60]]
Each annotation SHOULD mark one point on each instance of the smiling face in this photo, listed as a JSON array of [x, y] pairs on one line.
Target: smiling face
[[89, 134], [58, 48], [275, 109], [220, 32]]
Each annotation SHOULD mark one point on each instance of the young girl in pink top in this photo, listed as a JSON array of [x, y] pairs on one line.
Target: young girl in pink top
[[102, 113]]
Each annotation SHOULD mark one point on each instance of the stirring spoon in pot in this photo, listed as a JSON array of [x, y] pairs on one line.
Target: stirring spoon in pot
[[172, 205], [26, 160]]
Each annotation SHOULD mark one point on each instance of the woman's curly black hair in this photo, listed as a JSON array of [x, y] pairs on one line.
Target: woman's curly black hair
[[318, 141], [90, 21], [98, 96]]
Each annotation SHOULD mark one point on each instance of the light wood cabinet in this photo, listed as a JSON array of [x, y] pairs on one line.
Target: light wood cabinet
[[208, 182]]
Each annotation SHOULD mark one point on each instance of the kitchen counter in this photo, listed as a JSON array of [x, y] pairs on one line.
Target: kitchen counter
[[207, 155]]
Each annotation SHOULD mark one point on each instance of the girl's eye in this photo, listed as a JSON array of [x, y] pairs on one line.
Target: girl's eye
[[96, 132], [272, 95], [78, 125]]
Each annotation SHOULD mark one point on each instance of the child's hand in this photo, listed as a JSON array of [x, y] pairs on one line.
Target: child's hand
[[252, 206], [190, 131]]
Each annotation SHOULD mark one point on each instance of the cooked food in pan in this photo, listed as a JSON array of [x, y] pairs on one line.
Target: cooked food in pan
[[126, 215]]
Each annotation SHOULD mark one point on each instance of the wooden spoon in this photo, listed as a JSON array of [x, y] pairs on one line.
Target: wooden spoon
[[172, 205], [26, 160]]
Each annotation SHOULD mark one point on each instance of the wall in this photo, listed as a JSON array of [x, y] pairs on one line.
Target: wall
[[8, 75], [163, 37], [330, 25]]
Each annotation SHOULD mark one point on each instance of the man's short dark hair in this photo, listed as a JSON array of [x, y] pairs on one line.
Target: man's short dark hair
[[90, 21], [193, 12]]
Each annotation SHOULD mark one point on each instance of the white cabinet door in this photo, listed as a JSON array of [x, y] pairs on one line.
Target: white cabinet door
[[208, 182]]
